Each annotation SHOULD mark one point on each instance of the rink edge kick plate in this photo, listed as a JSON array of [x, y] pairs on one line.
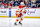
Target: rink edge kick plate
[[16, 17], [4, 16], [25, 17]]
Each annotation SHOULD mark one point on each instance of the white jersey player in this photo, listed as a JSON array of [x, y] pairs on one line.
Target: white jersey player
[[20, 13]]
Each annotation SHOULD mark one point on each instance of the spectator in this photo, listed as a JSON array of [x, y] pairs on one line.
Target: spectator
[[13, 6], [0, 2], [39, 5], [2, 6], [13, 3], [19, 2], [26, 2], [29, 4], [9, 6], [6, 6], [16, 6], [10, 3], [3, 3], [26, 6], [16, 3], [33, 5], [37, 1], [29, 0]]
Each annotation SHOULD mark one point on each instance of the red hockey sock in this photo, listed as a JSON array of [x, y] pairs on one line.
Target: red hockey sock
[[21, 19], [17, 20]]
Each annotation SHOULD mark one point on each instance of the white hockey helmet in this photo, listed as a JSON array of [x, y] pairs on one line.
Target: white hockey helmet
[[22, 3]]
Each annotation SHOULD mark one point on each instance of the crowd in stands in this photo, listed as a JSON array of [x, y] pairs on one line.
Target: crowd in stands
[[14, 3]]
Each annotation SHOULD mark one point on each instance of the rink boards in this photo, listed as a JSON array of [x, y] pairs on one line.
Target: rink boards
[[11, 12]]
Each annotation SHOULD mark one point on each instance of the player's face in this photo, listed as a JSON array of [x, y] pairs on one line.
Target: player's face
[[22, 6]]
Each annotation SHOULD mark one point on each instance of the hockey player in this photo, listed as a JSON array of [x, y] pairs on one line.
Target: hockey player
[[20, 13]]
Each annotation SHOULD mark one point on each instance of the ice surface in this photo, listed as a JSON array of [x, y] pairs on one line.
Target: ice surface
[[27, 22]]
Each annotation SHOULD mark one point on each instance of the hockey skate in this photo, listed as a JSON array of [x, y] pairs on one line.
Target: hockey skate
[[15, 23], [20, 23]]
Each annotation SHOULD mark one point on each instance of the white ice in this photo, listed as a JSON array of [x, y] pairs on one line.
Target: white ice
[[27, 22]]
